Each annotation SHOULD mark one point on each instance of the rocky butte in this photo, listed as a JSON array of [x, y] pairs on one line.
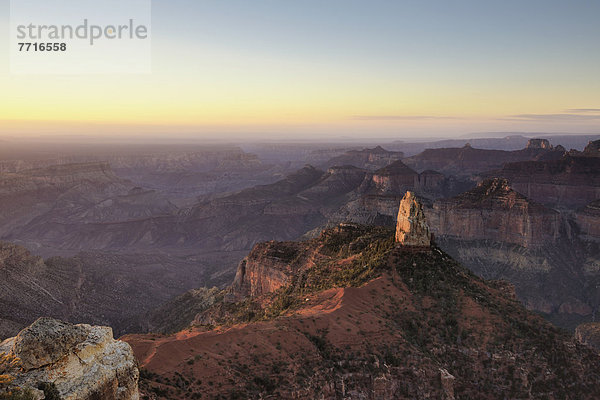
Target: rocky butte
[[82, 362], [352, 314], [539, 144], [411, 227], [494, 211], [569, 182]]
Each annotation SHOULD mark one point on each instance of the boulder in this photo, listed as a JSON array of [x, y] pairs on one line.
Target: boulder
[[83, 361]]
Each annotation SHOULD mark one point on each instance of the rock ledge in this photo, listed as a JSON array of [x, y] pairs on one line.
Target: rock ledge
[[83, 361]]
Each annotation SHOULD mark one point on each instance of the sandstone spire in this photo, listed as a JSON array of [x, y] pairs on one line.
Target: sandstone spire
[[411, 227]]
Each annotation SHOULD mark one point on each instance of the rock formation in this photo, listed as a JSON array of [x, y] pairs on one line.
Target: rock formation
[[539, 144], [58, 207], [337, 182], [95, 288], [265, 269], [83, 361], [500, 234], [397, 178], [570, 182], [588, 220], [273, 265], [592, 149], [589, 334], [467, 160], [363, 319], [494, 211], [411, 227], [370, 159]]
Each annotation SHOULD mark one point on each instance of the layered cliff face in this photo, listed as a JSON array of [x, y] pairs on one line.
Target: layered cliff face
[[376, 200], [494, 211], [467, 161], [559, 280], [500, 234], [265, 269], [570, 182], [273, 265], [62, 206], [370, 159], [93, 288], [397, 178], [179, 171], [588, 220], [83, 362], [336, 183], [392, 179], [539, 144], [362, 318]]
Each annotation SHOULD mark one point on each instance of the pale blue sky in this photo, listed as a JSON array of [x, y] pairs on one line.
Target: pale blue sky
[[352, 66]]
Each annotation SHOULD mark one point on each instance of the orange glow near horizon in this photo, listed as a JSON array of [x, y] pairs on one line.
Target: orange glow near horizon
[[233, 74]]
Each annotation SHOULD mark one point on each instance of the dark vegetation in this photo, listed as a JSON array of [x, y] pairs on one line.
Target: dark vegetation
[[449, 319]]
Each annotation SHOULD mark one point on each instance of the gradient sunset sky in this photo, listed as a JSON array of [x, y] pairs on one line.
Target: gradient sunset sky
[[315, 69]]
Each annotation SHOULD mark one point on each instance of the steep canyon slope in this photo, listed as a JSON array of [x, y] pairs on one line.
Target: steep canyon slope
[[354, 314]]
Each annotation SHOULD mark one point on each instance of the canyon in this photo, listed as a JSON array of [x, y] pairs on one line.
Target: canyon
[[496, 212], [568, 182], [322, 279], [467, 160], [355, 313], [96, 219], [94, 288]]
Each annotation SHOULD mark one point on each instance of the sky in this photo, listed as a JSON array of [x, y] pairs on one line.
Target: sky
[[331, 68]]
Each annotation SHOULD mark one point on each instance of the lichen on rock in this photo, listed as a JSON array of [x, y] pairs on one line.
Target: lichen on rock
[[83, 361]]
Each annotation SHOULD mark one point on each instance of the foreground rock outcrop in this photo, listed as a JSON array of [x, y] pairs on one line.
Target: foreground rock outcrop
[[83, 361], [412, 229]]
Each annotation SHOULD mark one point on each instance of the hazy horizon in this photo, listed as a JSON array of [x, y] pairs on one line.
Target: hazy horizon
[[285, 71]]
